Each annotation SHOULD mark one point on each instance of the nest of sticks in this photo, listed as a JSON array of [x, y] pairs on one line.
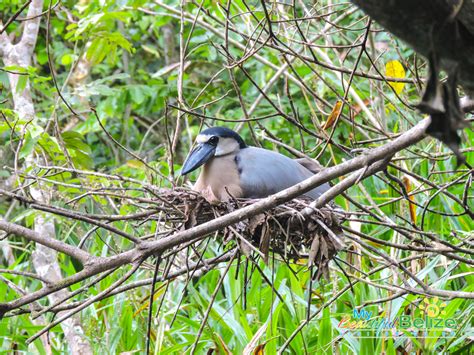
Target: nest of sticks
[[293, 230]]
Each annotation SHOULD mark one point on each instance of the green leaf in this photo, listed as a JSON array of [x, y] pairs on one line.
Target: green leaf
[[21, 84], [29, 144], [97, 50], [325, 332], [75, 140], [35, 130], [67, 59]]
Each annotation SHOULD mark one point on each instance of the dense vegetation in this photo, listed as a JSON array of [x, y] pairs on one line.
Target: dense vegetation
[[120, 90]]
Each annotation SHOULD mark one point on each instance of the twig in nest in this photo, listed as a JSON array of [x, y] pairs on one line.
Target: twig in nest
[[282, 230]]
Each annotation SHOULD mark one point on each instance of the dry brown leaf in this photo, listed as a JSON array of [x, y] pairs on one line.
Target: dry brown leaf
[[336, 111], [313, 251], [251, 347], [265, 242], [356, 109], [411, 205], [324, 248], [259, 349], [245, 248], [191, 211], [256, 221], [222, 344]]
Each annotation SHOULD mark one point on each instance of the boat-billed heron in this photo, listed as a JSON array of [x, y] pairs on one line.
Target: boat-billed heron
[[233, 169]]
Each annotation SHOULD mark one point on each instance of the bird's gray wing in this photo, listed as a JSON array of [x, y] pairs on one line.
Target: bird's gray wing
[[310, 164], [264, 172]]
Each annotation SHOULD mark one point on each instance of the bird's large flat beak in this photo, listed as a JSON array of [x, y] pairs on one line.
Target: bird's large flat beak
[[198, 156]]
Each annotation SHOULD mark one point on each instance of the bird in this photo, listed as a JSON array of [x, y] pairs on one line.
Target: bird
[[232, 169]]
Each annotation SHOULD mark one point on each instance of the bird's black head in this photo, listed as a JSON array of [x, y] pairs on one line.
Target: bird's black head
[[214, 141], [224, 132]]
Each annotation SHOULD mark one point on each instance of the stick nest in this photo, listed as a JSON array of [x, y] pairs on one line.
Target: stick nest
[[293, 230]]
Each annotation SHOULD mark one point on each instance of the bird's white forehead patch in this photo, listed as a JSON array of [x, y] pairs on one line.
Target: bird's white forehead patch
[[203, 138]]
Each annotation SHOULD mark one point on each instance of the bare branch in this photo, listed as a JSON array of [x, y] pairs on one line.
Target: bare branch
[[55, 244]]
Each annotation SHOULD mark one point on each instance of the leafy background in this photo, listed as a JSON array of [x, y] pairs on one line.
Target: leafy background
[[123, 59]]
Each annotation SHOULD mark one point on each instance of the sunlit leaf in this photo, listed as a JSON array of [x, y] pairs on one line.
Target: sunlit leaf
[[336, 111], [395, 69], [411, 205]]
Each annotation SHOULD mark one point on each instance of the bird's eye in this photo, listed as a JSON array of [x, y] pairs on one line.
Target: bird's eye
[[213, 140]]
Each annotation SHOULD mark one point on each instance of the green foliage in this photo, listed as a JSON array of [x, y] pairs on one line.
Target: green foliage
[[125, 62]]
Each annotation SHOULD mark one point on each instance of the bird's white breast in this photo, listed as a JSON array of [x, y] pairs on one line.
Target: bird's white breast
[[219, 179]]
